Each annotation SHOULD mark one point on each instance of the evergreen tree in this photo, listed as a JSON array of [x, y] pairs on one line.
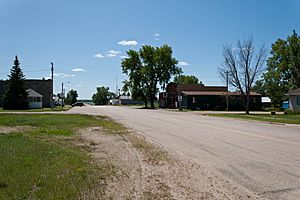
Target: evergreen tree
[[16, 97]]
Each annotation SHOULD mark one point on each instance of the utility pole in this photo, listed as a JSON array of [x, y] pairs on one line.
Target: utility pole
[[52, 70], [116, 85], [63, 91], [62, 94], [51, 95], [227, 84]]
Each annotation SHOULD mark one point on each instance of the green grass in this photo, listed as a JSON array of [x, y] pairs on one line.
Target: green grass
[[44, 162], [55, 109], [286, 119]]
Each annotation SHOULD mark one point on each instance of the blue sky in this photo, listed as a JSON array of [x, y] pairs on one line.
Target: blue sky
[[87, 39]]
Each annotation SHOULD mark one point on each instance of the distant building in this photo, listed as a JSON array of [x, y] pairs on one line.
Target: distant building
[[294, 99], [41, 86], [194, 96], [35, 99], [127, 100]]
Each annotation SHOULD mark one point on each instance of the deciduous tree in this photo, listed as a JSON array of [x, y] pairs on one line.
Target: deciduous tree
[[102, 96], [71, 97], [243, 67], [187, 79], [283, 68], [148, 68]]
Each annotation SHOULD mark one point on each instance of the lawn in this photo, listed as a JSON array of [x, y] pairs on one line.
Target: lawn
[[55, 109], [44, 162], [286, 119]]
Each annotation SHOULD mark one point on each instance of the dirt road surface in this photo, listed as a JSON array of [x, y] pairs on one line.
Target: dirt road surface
[[260, 157]]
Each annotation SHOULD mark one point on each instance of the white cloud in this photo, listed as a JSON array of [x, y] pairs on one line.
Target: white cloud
[[109, 54], [63, 75], [79, 85], [156, 36], [123, 57], [128, 42], [183, 63], [99, 55], [112, 53], [78, 70]]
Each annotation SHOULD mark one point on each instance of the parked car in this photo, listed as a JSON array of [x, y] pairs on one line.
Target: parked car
[[77, 104]]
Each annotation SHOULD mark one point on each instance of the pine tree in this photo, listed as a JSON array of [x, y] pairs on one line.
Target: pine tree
[[16, 97]]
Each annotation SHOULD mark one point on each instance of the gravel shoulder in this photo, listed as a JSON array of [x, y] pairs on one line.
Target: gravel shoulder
[[242, 157], [144, 170]]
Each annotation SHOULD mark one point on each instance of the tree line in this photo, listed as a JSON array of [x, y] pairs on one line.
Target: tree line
[[151, 68]]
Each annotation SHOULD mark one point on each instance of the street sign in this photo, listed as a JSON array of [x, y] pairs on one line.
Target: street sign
[[179, 98]]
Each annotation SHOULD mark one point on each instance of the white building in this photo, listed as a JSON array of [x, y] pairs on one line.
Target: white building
[[294, 99], [35, 99]]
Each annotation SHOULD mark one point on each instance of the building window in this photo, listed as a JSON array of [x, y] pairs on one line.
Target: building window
[[298, 100]]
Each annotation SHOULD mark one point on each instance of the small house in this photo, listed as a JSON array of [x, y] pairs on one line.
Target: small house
[[127, 100], [200, 97], [35, 99], [294, 99]]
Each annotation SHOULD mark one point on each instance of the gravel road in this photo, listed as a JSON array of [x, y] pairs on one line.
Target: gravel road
[[261, 157]]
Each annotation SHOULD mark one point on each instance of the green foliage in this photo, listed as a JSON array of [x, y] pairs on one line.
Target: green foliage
[[54, 109], [44, 163], [102, 96], [283, 68], [259, 87], [16, 97], [33, 169], [147, 68], [71, 97], [187, 79]]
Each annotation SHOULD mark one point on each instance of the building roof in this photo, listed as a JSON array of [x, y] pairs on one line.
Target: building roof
[[33, 93], [294, 92], [215, 93], [125, 97], [197, 87]]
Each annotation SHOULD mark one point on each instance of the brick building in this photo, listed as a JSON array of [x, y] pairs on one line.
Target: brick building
[[201, 97], [42, 86]]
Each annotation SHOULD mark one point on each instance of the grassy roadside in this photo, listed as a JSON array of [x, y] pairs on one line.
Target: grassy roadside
[[43, 162], [286, 119], [55, 109]]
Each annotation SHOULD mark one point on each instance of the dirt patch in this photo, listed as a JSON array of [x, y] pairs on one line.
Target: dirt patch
[[8, 129], [125, 180], [140, 169]]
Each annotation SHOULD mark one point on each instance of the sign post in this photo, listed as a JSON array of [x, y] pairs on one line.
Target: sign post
[[179, 98]]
